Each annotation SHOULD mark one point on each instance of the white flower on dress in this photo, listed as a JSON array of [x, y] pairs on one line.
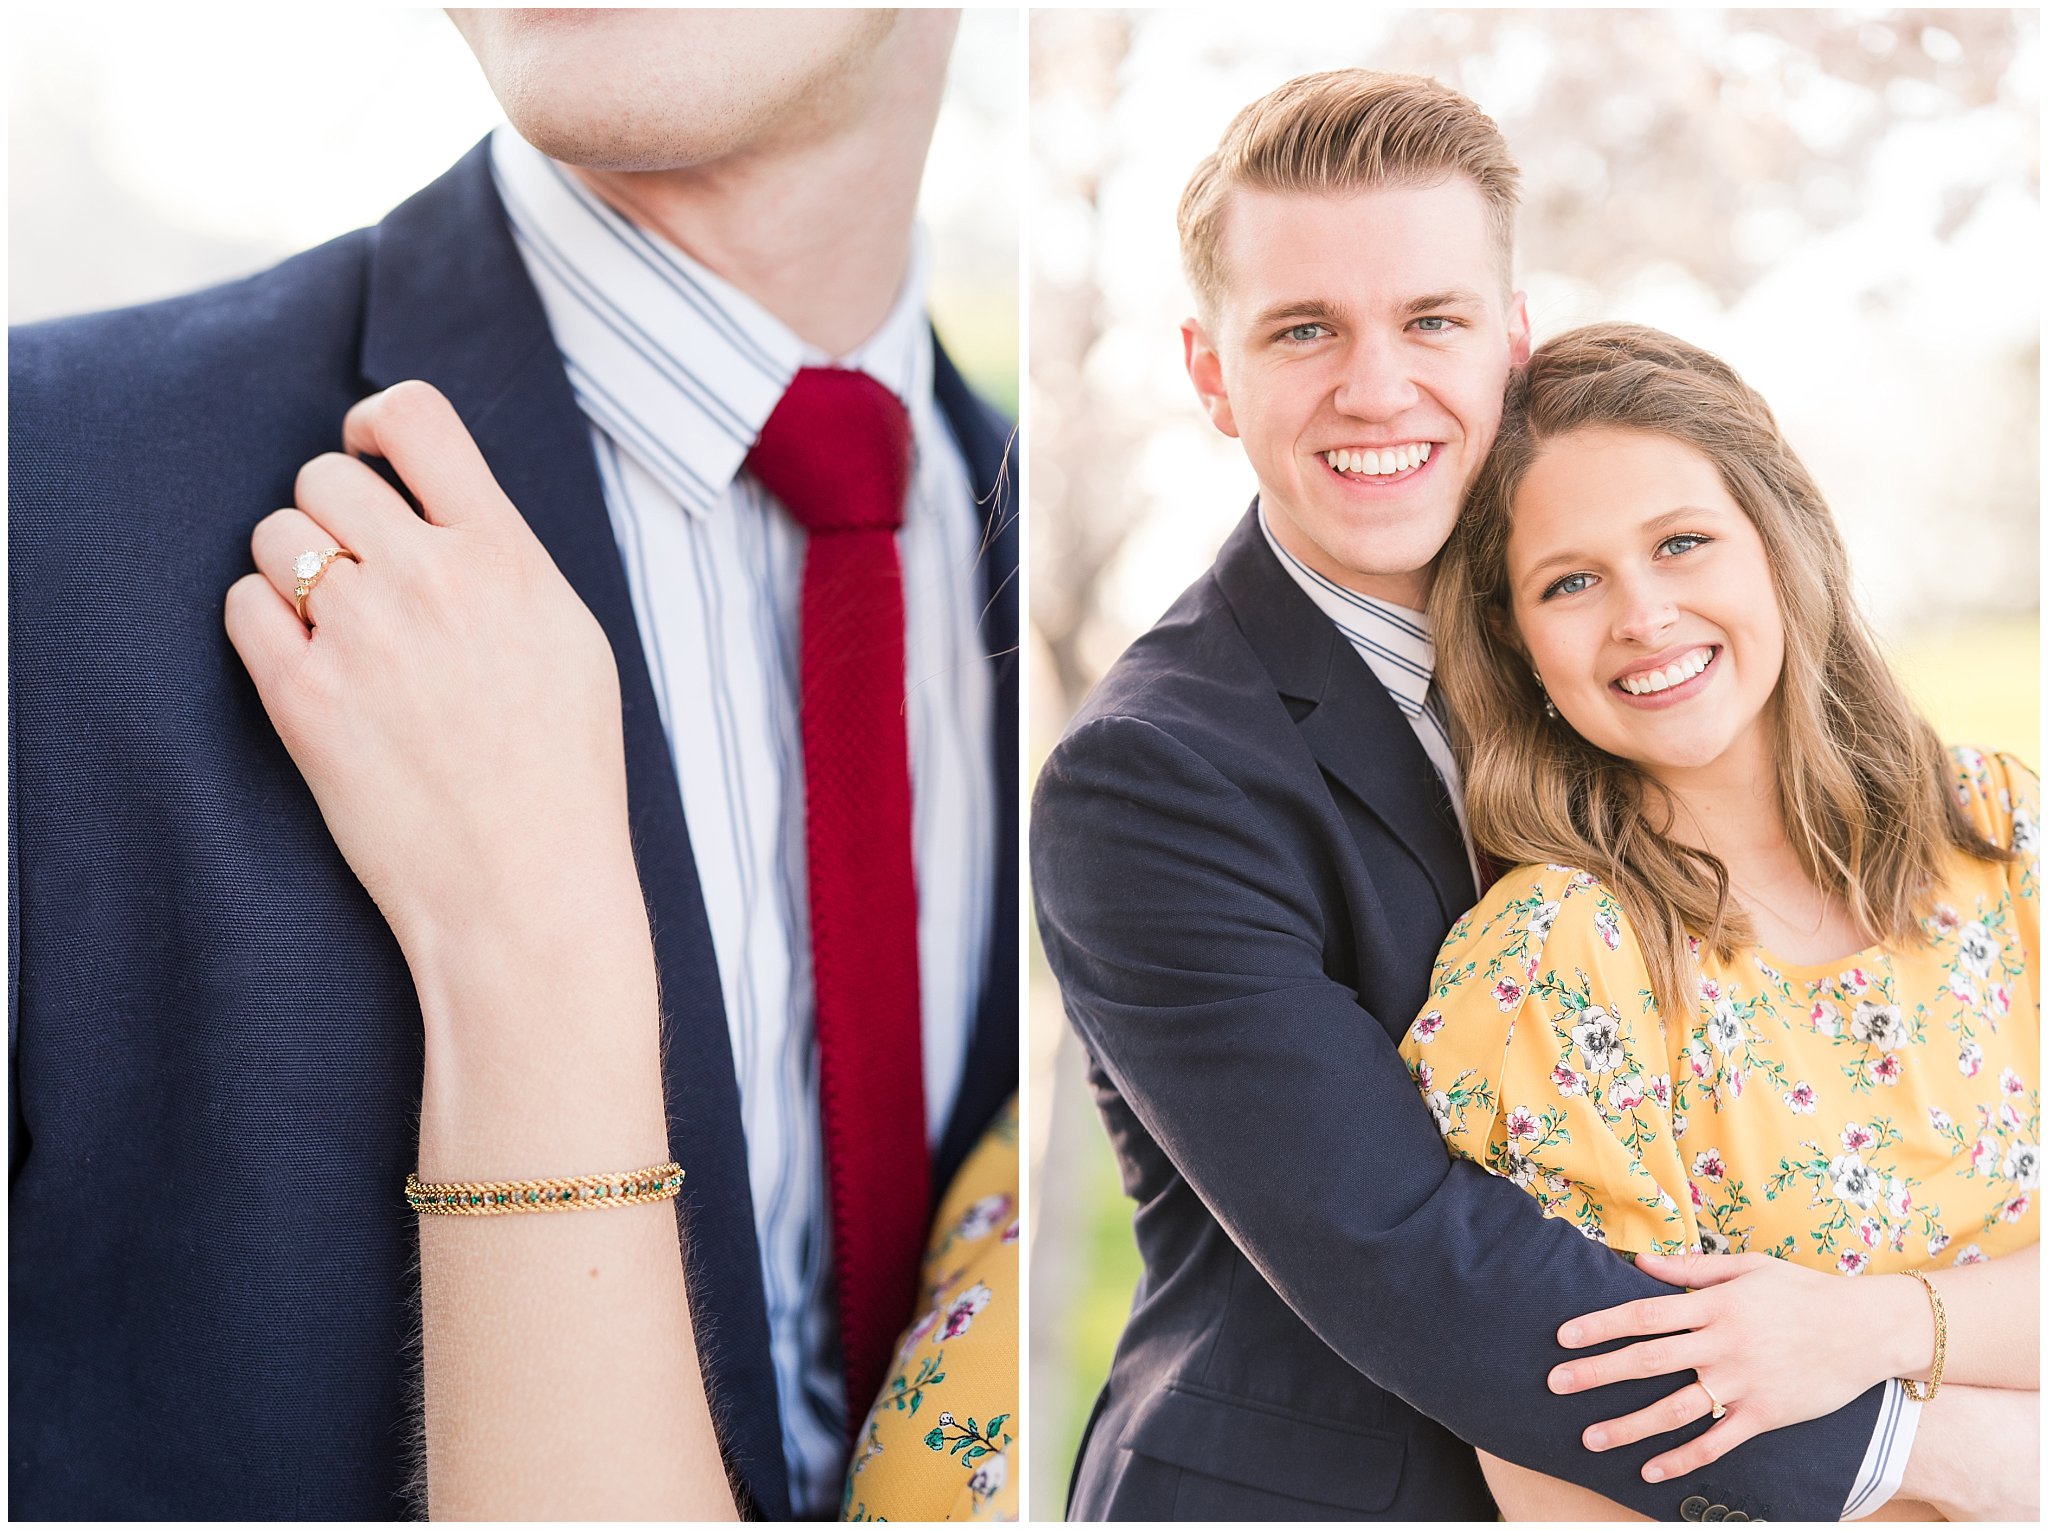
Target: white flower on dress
[[1608, 927], [1878, 1025], [1898, 1198], [1521, 1124], [1983, 1155], [988, 1478], [1969, 1254], [1678, 1126], [1697, 1057], [1598, 1038], [1569, 1084], [1440, 1106], [1867, 1230], [2022, 1165], [1854, 1180], [1708, 1165], [1856, 1136], [1507, 993], [2010, 1082], [1936, 1244], [1854, 981], [2001, 1000], [1800, 1098], [2026, 835], [1852, 1262], [1712, 1242], [1978, 948], [1824, 1020], [1626, 1093], [984, 1216], [1556, 1184], [1940, 1119], [1886, 1068], [1426, 1027], [961, 1313], [1964, 990], [1969, 1059], [1660, 1089], [1946, 919], [1517, 1167], [2015, 1208], [1724, 1027], [1541, 921]]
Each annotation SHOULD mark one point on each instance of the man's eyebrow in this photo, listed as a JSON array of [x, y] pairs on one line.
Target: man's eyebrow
[[1297, 311], [1432, 302]]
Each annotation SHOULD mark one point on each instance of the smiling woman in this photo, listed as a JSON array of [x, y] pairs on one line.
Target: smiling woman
[[1768, 943]]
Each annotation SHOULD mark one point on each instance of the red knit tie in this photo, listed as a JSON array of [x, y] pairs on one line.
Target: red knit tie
[[836, 453]]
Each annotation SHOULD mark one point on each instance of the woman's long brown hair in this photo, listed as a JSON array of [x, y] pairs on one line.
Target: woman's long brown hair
[[1862, 780]]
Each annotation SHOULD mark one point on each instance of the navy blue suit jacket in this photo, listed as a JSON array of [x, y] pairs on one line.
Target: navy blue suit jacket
[[215, 1046], [1244, 864]]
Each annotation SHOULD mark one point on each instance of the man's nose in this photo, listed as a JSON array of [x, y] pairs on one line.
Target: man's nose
[[1376, 384]]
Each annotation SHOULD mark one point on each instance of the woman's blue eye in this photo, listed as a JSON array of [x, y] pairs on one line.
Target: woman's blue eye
[[1571, 584], [1689, 539]]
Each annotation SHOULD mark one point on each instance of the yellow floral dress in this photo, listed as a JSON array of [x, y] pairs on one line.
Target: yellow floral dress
[[1881, 1112], [940, 1441]]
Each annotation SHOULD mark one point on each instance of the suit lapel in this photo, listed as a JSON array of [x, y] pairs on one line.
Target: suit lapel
[[449, 301], [990, 1075], [1357, 733]]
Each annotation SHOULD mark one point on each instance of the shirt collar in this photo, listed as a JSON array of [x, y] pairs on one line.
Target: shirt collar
[[676, 365], [1394, 641]]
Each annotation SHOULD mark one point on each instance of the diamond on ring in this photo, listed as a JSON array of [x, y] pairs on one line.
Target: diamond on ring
[[308, 566]]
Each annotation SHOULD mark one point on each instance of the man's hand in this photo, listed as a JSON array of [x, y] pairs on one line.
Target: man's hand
[[453, 706]]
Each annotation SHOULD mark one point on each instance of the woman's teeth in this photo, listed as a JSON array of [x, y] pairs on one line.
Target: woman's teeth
[[1652, 681], [1395, 459]]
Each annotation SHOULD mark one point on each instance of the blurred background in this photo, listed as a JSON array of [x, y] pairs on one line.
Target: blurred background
[[152, 150], [1844, 204]]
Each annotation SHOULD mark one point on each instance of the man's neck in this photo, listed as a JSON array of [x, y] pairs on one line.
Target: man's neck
[[818, 231]]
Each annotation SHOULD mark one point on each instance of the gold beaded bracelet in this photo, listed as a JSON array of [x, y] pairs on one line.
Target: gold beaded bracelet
[[1919, 1391], [588, 1192]]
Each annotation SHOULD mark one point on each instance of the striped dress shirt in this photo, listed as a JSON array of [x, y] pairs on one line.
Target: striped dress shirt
[[1396, 645], [676, 372]]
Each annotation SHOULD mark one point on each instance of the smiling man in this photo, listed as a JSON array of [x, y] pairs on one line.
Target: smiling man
[[1247, 850]]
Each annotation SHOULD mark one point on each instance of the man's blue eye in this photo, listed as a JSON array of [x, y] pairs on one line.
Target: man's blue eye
[[1435, 324], [1302, 332]]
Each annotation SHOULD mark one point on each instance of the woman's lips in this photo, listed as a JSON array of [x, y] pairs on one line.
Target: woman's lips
[[1672, 695]]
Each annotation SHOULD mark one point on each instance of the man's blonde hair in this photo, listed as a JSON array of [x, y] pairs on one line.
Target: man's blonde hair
[[1339, 131]]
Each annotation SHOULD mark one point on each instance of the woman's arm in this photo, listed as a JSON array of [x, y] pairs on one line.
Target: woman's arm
[[455, 711]]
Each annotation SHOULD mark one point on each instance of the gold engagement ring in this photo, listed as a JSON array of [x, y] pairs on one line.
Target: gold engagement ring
[[309, 566]]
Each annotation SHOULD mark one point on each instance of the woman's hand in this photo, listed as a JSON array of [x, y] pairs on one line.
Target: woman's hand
[[1773, 1342], [453, 705]]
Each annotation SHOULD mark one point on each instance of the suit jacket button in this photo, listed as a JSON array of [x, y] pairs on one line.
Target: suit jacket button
[[1735, 1514], [1693, 1508], [1715, 1513]]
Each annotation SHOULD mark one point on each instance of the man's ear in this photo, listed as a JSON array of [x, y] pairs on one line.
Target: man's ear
[[1518, 330], [1205, 371]]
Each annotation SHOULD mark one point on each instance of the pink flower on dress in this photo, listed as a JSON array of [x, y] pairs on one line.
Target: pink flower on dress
[[1609, 929], [2010, 1082], [1970, 1059], [983, 1217], [1946, 919], [1937, 1243], [1709, 990], [2015, 1208], [1010, 1232], [1852, 1262], [1855, 980], [1699, 1202], [1983, 1156], [1868, 1231], [1962, 988], [1898, 1199], [1886, 1069], [1856, 1136], [1507, 993], [1660, 1088], [1708, 1165], [1521, 1124], [961, 1313], [1801, 1098], [1425, 1028], [1626, 1093], [1823, 1020], [1971, 1254], [1568, 1083]]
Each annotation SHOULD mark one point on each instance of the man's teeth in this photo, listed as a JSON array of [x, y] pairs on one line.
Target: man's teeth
[[1395, 459], [1653, 681]]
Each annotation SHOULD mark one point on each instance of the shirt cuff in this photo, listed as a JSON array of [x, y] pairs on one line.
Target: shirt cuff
[[1884, 1463]]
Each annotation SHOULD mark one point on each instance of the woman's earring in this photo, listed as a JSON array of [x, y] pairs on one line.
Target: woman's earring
[[1549, 706]]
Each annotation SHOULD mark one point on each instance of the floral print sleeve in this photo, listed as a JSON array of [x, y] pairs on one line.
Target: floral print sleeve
[[1543, 1058], [2003, 799]]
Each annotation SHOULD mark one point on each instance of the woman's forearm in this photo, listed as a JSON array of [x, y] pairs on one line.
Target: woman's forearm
[[1994, 1322], [561, 1368], [1530, 1495]]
